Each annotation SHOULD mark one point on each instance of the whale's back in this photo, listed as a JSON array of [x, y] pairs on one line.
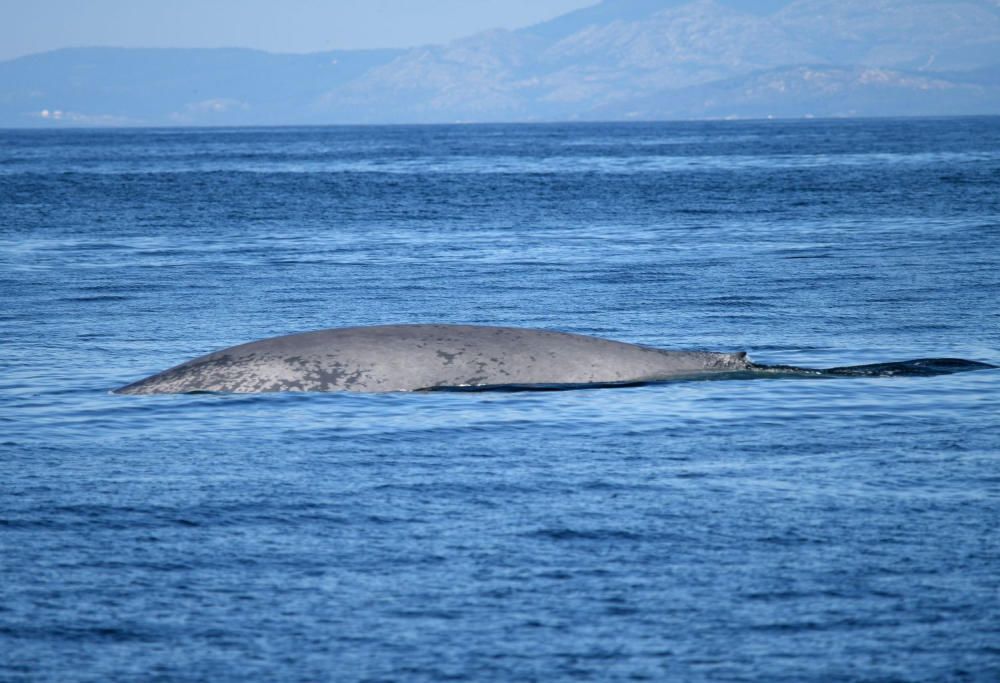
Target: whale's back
[[413, 357]]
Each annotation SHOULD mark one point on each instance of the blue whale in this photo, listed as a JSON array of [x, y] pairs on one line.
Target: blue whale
[[390, 358]]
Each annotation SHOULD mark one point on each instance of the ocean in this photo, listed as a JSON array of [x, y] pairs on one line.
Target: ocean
[[808, 529]]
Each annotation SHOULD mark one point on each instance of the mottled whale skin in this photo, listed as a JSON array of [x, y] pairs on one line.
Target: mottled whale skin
[[419, 357]]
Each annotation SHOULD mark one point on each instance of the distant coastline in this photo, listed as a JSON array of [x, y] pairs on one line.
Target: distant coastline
[[615, 61]]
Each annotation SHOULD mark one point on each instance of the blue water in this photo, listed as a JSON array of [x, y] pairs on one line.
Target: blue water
[[784, 530]]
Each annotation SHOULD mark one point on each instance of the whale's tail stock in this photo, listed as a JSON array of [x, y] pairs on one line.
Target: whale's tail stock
[[918, 367]]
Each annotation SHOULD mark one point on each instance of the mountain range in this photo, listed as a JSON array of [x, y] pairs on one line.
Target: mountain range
[[616, 60]]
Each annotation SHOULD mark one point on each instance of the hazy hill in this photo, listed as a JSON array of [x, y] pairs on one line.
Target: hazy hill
[[129, 86], [617, 59]]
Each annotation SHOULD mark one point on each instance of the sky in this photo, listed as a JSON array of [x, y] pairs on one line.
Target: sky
[[27, 26]]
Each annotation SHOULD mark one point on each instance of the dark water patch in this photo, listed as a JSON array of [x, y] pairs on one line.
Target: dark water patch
[[565, 534], [98, 298], [809, 256], [89, 634]]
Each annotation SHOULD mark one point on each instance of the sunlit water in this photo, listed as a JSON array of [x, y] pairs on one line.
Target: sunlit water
[[778, 529]]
